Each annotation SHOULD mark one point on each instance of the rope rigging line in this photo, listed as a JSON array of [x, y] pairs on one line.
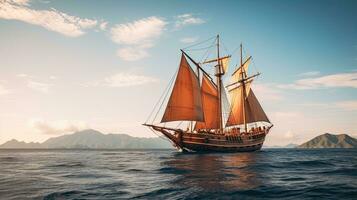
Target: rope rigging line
[[225, 48], [199, 49], [160, 136], [157, 103], [186, 48], [179, 124], [208, 52], [167, 92], [253, 63]]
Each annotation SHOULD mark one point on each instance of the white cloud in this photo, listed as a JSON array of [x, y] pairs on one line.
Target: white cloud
[[334, 80], [188, 19], [20, 2], [347, 105], [189, 39], [287, 115], [311, 73], [3, 90], [103, 26], [132, 53], [38, 86], [127, 79], [52, 20], [57, 127], [137, 37], [124, 80], [23, 75], [267, 92], [138, 32], [341, 105]]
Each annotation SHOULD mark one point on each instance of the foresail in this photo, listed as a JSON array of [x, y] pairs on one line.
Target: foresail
[[210, 105], [185, 102]]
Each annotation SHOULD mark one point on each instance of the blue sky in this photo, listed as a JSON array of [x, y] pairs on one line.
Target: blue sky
[[69, 65]]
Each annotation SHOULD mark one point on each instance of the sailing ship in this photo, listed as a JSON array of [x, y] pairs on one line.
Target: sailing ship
[[199, 100]]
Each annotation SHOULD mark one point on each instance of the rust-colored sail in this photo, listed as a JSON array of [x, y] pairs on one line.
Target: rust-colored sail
[[209, 94], [253, 110], [185, 101], [256, 109]]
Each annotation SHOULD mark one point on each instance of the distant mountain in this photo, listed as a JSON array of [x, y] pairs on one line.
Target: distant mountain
[[14, 144], [328, 140], [94, 140], [291, 145]]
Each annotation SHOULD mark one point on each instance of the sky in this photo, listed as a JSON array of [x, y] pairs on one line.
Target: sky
[[72, 65]]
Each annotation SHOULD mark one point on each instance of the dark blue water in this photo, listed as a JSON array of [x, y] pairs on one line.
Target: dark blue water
[[166, 174]]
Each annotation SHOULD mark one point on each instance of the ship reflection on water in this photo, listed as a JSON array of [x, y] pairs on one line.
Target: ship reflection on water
[[216, 172]]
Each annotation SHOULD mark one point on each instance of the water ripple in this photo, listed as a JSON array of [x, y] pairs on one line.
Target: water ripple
[[166, 174]]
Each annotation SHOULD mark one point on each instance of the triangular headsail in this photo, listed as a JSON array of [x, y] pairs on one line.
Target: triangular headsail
[[209, 94], [185, 101]]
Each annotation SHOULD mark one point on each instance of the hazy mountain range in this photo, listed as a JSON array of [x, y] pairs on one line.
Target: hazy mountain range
[[291, 145], [93, 139]]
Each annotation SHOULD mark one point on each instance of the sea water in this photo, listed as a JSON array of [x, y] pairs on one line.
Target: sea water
[[167, 174]]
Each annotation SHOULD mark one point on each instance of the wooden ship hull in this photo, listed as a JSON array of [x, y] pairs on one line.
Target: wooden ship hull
[[187, 141]]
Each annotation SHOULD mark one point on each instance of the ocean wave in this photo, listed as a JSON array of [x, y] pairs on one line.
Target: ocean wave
[[69, 164], [271, 174]]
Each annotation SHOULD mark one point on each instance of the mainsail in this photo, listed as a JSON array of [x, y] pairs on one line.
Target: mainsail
[[209, 94], [185, 101]]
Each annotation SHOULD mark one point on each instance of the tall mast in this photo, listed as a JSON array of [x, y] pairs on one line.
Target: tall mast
[[219, 80], [243, 85]]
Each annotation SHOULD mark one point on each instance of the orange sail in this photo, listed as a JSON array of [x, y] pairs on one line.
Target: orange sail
[[185, 101], [251, 107], [256, 111], [209, 94]]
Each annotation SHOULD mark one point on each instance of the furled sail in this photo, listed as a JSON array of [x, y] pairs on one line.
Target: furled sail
[[253, 110], [185, 101], [209, 94]]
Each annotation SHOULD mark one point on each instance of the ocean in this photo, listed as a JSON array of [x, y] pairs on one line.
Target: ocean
[[167, 174]]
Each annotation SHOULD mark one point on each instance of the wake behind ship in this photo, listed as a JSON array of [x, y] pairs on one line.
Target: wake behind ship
[[199, 117]]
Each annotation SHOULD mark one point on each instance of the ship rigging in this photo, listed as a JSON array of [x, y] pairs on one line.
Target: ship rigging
[[213, 123]]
